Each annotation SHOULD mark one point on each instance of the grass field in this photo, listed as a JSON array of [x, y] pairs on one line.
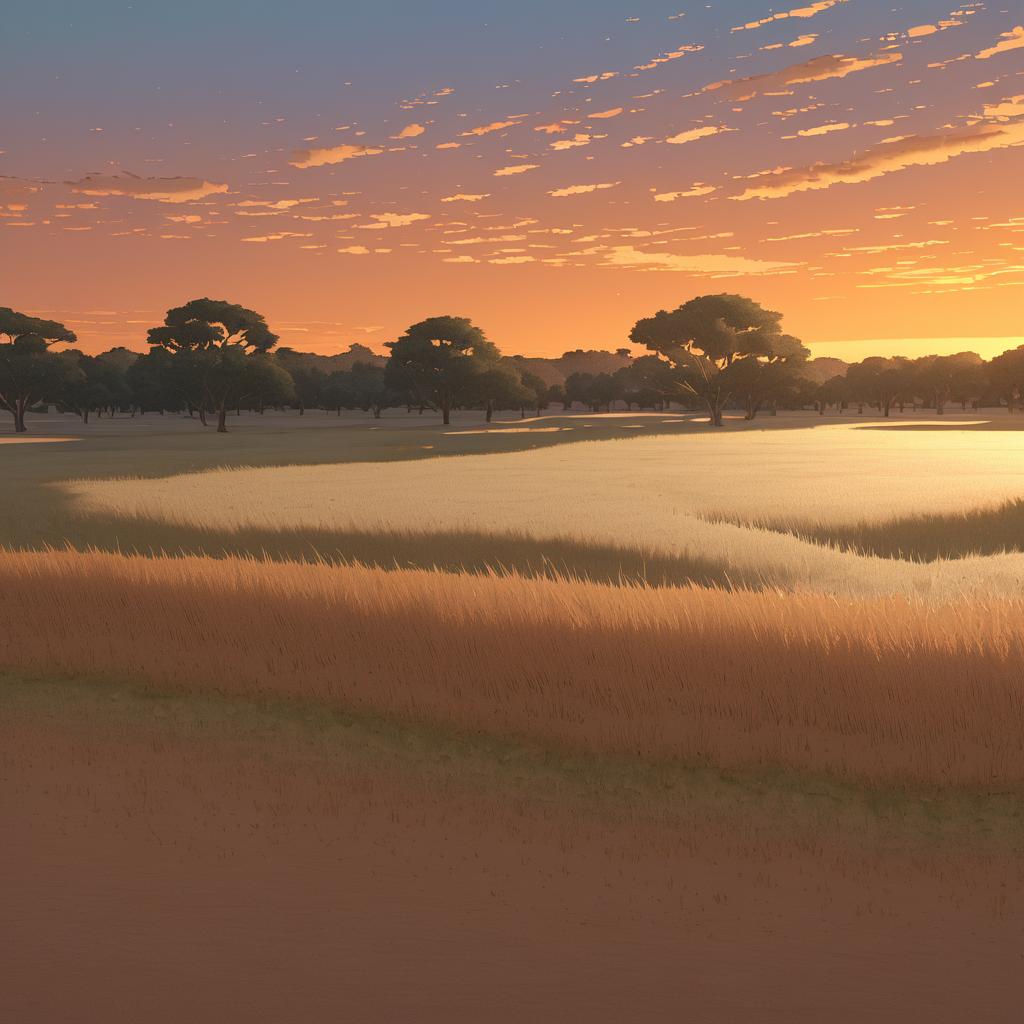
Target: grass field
[[759, 689]]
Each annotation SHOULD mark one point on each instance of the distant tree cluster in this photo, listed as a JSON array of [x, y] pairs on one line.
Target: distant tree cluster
[[210, 358]]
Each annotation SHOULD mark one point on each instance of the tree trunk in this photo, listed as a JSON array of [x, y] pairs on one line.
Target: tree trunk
[[488, 413], [222, 419], [19, 417], [446, 412], [85, 415]]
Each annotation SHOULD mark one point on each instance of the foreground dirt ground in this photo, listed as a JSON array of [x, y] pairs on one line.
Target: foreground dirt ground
[[172, 860]]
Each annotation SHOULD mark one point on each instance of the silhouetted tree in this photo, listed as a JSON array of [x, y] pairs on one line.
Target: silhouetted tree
[[214, 339], [1006, 375], [437, 361], [704, 337], [880, 381], [308, 378], [29, 371], [154, 382]]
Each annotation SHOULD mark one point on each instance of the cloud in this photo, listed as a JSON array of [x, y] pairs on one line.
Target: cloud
[[800, 12], [706, 265], [887, 157], [579, 139], [1012, 40], [275, 237], [819, 69], [695, 190], [332, 155], [602, 77], [513, 259], [393, 220], [355, 250], [410, 131], [504, 172], [579, 190], [14, 192], [603, 114], [695, 133], [274, 204], [161, 190], [669, 56], [822, 129], [495, 126], [463, 197], [555, 128]]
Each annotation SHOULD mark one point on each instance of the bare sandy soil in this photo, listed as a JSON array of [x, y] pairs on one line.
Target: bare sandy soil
[[171, 861]]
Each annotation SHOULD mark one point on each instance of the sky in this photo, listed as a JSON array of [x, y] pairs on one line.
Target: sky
[[552, 170]]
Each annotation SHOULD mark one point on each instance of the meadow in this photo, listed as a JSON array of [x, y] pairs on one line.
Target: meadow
[[742, 682]]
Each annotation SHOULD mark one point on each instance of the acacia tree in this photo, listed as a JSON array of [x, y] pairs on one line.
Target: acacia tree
[[704, 337], [437, 361], [215, 339], [29, 371]]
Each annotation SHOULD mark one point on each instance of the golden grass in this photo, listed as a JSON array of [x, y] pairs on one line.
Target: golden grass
[[668, 497], [885, 691]]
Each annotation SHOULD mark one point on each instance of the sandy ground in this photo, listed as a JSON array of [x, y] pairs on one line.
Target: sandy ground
[[187, 868]]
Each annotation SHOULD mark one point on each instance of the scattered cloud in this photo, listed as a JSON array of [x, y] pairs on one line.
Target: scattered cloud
[[504, 172], [277, 236], [705, 265], [822, 129], [161, 190], [494, 126], [463, 197], [693, 134], [887, 157], [579, 190], [355, 250], [1012, 40], [304, 158], [695, 190], [799, 12], [410, 131], [819, 69], [393, 220], [579, 139]]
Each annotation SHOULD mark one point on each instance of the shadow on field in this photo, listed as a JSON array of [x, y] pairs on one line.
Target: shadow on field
[[919, 538], [927, 538], [453, 551]]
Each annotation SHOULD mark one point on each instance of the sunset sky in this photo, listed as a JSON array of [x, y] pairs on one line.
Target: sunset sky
[[552, 170]]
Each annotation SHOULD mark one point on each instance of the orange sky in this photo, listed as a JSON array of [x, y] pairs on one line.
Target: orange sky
[[855, 167]]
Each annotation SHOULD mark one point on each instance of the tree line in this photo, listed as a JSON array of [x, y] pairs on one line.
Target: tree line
[[715, 352]]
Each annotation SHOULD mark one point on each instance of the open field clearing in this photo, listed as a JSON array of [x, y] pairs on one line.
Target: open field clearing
[[663, 497], [887, 691]]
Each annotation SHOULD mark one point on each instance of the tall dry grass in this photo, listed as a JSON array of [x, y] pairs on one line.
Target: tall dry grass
[[884, 690]]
